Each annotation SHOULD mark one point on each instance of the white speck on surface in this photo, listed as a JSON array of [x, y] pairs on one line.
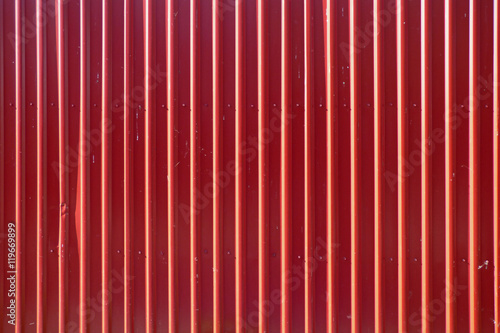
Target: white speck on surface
[[485, 265]]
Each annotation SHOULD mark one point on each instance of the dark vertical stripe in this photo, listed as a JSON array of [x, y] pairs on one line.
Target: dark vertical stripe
[[83, 165], [40, 168], [402, 157], [217, 161], [379, 162], [332, 226], [171, 156], [286, 168], [106, 163], [449, 168], [63, 195], [149, 167], [263, 157], [474, 291], [309, 171], [127, 190], [240, 199], [194, 164], [425, 41]]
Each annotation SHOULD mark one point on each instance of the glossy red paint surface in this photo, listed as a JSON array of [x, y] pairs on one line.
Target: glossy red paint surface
[[250, 166]]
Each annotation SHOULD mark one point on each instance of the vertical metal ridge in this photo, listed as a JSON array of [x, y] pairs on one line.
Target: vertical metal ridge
[[194, 164], [474, 291], [40, 169], [308, 171], [128, 313], [426, 194], [354, 151], [19, 143], [217, 161], [172, 177], [106, 165], [63, 194], [331, 172], [149, 168], [240, 200], [449, 169], [83, 166], [379, 165], [286, 167], [496, 161], [263, 156], [402, 156]]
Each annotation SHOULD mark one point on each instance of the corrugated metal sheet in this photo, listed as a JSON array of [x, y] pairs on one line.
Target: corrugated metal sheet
[[249, 166]]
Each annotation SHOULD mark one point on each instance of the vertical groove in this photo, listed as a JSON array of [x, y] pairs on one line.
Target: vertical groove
[[217, 160], [309, 171], [426, 163], [63, 195], [106, 163], [263, 155], [449, 165], [331, 165], [127, 154], [285, 168], [402, 153], [40, 162], [379, 165], [496, 162], [19, 165], [474, 291], [240, 208], [172, 222], [194, 164], [149, 168], [83, 165], [354, 148]]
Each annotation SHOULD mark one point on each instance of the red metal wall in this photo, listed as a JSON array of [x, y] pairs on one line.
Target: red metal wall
[[258, 166]]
